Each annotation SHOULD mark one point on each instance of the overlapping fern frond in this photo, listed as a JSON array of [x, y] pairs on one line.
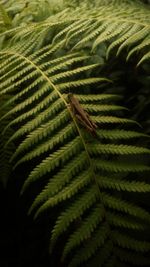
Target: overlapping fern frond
[[94, 179], [87, 175], [124, 26]]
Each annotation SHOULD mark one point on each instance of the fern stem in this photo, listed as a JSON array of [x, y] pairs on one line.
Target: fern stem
[[91, 167]]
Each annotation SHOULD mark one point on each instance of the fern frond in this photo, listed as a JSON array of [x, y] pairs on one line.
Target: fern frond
[[131, 243], [91, 108], [119, 166], [123, 185], [67, 30], [112, 120], [120, 26], [69, 74], [86, 175], [146, 42], [84, 82], [100, 98], [59, 180], [84, 201], [118, 204], [48, 164], [58, 138], [85, 231], [99, 149], [119, 134], [82, 180], [92, 34], [139, 35], [96, 241], [144, 58], [32, 124], [106, 34], [124, 221]]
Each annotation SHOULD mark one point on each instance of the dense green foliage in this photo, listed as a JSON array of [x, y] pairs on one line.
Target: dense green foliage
[[94, 189]]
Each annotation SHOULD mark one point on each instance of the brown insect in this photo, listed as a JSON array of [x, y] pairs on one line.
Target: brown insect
[[81, 115]]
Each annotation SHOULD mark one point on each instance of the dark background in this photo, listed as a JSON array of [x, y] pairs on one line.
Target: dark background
[[23, 242]]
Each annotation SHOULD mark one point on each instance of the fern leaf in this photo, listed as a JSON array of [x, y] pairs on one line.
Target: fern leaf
[[140, 34], [84, 82], [123, 206], [144, 58], [86, 200], [132, 186], [59, 138], [62, 65], [71, 73], [59, 180], [96, 241], [139, 47], [98, 149], [66, 30], [114, 166], [102, 108], [124, 221], [106, 34], [89, 177], [74, 33], [77, 184], [85, 231], [129, 32], [51, 162], [32, 124], [8, 62], [112, 119], [119, 134], [99, 28], [131, 243], [100, 98]]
